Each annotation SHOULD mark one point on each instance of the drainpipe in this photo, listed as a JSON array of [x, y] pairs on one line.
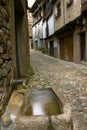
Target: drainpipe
[[17, 82]]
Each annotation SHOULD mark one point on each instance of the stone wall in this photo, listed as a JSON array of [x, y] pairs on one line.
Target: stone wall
[[5, 54], [73, 11], [68, 14]]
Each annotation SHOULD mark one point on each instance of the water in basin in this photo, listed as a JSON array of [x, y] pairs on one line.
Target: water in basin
[[41, 102]]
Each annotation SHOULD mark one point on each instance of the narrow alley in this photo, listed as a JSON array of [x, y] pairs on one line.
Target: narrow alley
[[69, 79], [43, 46]]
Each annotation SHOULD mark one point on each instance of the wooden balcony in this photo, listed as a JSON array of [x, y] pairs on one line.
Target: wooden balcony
[[47, 10], [84, 6]]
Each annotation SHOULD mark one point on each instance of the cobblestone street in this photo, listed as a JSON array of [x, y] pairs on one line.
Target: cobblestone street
[[68, 78]]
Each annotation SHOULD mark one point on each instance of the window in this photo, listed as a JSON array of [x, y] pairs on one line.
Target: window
[[69, 2], [52, 1], [58, 10]]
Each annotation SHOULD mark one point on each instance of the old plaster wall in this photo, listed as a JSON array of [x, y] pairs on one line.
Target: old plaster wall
[[5, 54], [19, 37]]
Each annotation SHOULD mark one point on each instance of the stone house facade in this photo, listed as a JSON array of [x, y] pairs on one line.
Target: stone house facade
[[13, 46], [30, 28], [50, 38], [5, 54], [64, 28], [37, 12], [71, 32]]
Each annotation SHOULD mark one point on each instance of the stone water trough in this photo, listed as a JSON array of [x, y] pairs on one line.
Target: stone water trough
[[38, 109]]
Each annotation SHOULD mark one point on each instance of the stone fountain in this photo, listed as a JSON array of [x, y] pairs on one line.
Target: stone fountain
[[38, 109]]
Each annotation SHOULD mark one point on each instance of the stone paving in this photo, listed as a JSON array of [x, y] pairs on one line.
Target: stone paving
[[69, 79]]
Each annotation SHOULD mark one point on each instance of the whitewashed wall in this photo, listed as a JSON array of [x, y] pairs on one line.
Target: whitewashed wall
[[40, 29], [38, 34], [44, 29], [51, 24], [33, 30]]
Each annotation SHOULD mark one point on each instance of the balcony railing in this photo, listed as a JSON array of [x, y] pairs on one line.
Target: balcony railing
[[84, 6]]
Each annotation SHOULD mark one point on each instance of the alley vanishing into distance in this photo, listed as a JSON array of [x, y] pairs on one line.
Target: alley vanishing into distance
[[43, 65], [67, 78]]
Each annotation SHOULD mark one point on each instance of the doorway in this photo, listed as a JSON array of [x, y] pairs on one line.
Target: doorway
[[19, 13], [51, 48], [66, 48], [83, 46], [36, 42]]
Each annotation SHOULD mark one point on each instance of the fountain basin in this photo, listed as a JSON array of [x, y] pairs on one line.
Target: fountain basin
[[41, 102], [24, 113]]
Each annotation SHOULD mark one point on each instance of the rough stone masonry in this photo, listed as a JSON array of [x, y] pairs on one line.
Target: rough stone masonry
[[5, 54]]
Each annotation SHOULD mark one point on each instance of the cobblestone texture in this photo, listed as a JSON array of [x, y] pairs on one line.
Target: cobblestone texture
[[68, 78]]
